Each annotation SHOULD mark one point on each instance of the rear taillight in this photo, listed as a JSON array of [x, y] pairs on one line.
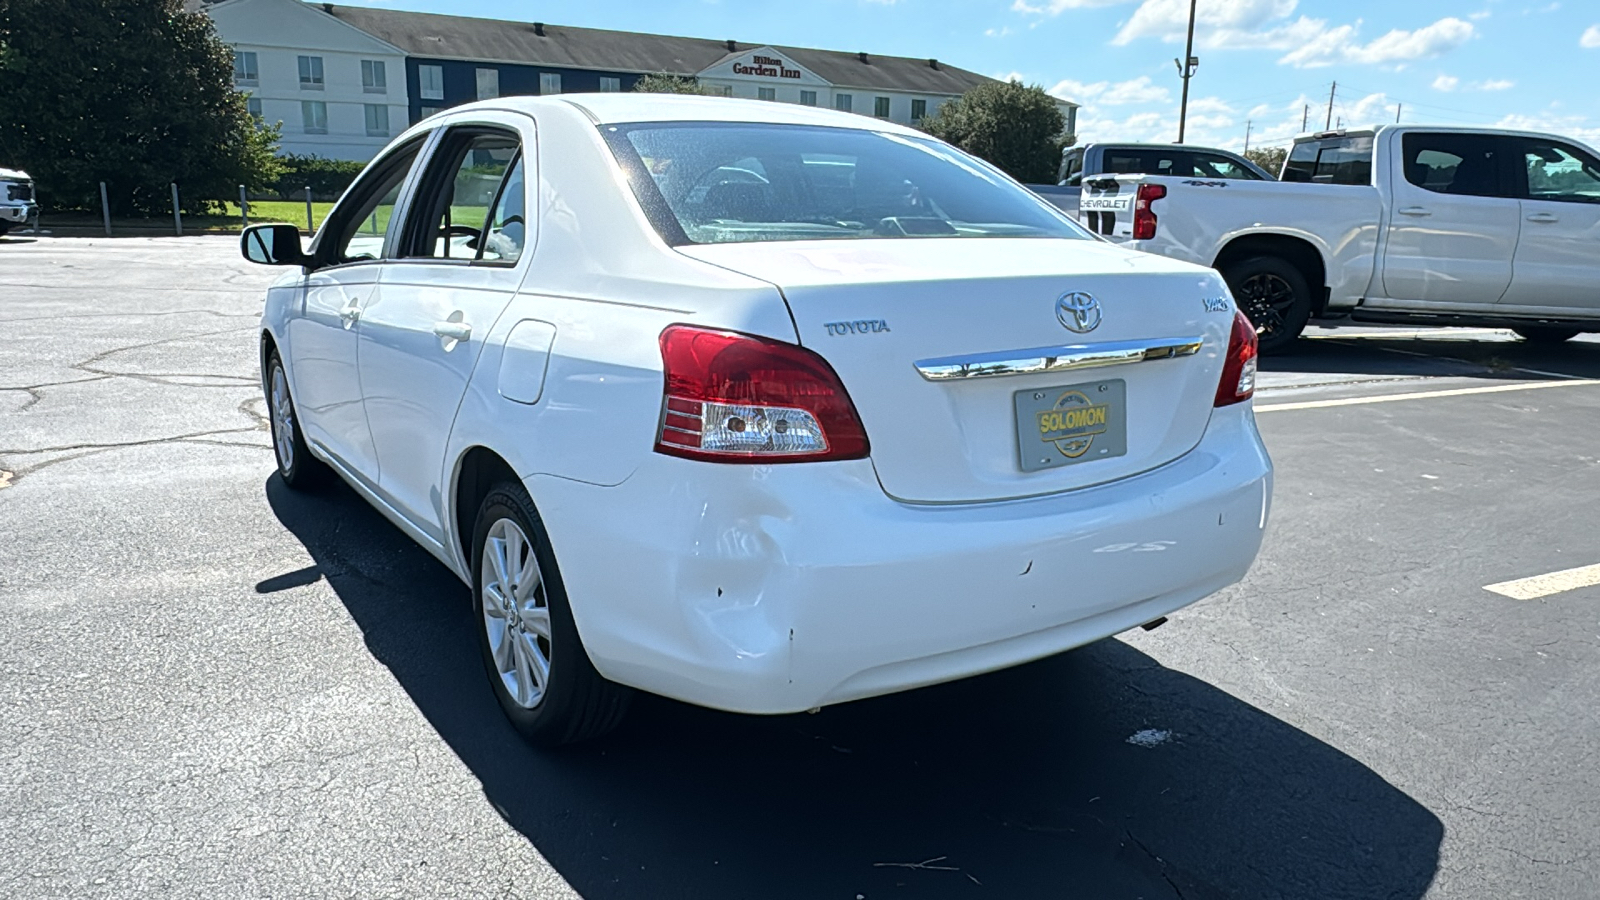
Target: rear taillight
[[736, 398], [1144, 218], [1239, 367]]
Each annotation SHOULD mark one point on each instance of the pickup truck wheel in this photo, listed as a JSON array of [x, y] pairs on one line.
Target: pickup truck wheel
[[1275, 297], [1534, 334], [537, 666]]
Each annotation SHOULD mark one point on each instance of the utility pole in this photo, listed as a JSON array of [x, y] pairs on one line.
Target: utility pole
[[1305, 117], [1329, 124], [1247, 124], [1186, 72], [1397, 109]]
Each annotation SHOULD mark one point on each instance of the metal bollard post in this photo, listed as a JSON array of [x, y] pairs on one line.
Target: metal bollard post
[[244, 209], [105, 208], [177, 218], [311, 228]]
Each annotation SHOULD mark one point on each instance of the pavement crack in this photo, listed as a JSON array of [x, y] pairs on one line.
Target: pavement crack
[[66, 448]]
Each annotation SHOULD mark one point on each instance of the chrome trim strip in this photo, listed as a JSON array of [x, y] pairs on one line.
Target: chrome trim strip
[[1055, 359]]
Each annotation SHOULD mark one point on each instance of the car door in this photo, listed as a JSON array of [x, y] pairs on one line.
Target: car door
[[324, 333], [1453, 222], [460, 259], [1557, 267]]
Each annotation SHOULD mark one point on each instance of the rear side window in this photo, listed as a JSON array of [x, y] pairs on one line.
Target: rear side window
[[1462, 164], [1211, 165], [1342, 160]]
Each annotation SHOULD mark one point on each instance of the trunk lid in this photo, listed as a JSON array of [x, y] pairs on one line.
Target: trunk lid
[[876, 309]]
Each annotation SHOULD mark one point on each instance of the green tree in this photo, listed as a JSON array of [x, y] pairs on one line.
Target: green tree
[[135, 93], [662, 83], [1016, 127], [1269, 158]]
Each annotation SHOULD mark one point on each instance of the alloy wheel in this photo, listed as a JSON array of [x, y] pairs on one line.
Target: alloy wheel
[[282, 419], [1266, 300], [516, 615]]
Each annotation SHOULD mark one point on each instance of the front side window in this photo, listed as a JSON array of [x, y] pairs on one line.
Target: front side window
[[1446, 163], [374, 78], [377, 116], [488, 84], [808, 98], [451, 218], [362, 220], [1210, 165], [549, 83], [609, 85], [314, 116], [311, 73], [880, 107], [1561, 172], [705, 183], [842, 102], [245, 70], [430, 82]]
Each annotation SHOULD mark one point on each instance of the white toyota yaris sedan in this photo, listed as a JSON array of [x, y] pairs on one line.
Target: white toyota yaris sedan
[[757, 406]]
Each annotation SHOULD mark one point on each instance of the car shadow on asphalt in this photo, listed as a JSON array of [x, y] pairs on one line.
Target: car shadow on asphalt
[[1432, 357], [1098, 773]]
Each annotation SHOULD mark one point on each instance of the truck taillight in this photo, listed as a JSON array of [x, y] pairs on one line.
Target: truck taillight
[[737, 398], [1144, 218], [1239, 366]]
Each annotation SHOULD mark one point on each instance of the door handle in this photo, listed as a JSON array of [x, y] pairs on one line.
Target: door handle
[[453, 331], [1544, 217], [1417, 211], [349, 315]]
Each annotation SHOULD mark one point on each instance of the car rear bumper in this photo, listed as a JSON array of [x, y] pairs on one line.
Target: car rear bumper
[[775, 589]]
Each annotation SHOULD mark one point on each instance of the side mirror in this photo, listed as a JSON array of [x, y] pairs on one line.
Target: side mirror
[[273, 245]]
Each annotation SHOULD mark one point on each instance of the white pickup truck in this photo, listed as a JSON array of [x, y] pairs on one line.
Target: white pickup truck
[[1404, 224], [17, 205]]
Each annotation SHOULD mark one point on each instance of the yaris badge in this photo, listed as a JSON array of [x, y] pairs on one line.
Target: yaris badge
[[1078, 312]]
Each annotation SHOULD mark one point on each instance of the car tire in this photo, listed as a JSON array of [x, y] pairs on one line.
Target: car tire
[[537, 666], [4, 227], [1536, 334], [298, 468], [1274, 295]]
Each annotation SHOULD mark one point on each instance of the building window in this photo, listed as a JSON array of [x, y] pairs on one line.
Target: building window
[[310, 73], [842, 102], [549, 83], [766, 93], [374, 78], [488, 84], [430, 82], [254, 105], [314, 115], [244, 68], [919, 110], [377, 120], [724, 91], [880, 107], [609, 85], [426, 111], [808, 98]]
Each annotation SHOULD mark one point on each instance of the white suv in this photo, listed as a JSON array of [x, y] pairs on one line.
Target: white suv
[[756, 406], [17, 205]]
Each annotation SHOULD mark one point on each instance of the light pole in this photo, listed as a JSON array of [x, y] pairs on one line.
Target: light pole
[[1186, 71]]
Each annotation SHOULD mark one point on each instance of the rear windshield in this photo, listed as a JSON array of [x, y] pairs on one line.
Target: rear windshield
[[715, 182], [1346, 160]]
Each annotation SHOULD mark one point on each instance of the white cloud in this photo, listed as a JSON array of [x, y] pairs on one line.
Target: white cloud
[[1495, 84], [1169, 19], [1446, 83], [1591, 38], [1398, 46], [998, 32], [1569, 126], [1106, 93], [1057, 7]]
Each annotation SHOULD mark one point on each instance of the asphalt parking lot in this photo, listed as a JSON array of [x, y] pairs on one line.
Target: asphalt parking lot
[[210, 685]]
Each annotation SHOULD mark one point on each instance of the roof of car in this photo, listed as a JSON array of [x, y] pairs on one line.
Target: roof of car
[[620, 108]]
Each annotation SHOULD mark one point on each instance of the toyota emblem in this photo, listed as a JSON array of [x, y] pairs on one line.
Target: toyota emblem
[[1078, 312]]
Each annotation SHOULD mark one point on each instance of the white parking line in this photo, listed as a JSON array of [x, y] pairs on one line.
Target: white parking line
[[1422, 395], [1421, 334], [1545, 585]]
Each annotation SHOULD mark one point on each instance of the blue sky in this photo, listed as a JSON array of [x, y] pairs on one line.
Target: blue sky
[[1468, 62]]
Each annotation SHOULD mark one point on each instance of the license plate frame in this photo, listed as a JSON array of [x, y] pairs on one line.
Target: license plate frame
[[1071, 424]]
